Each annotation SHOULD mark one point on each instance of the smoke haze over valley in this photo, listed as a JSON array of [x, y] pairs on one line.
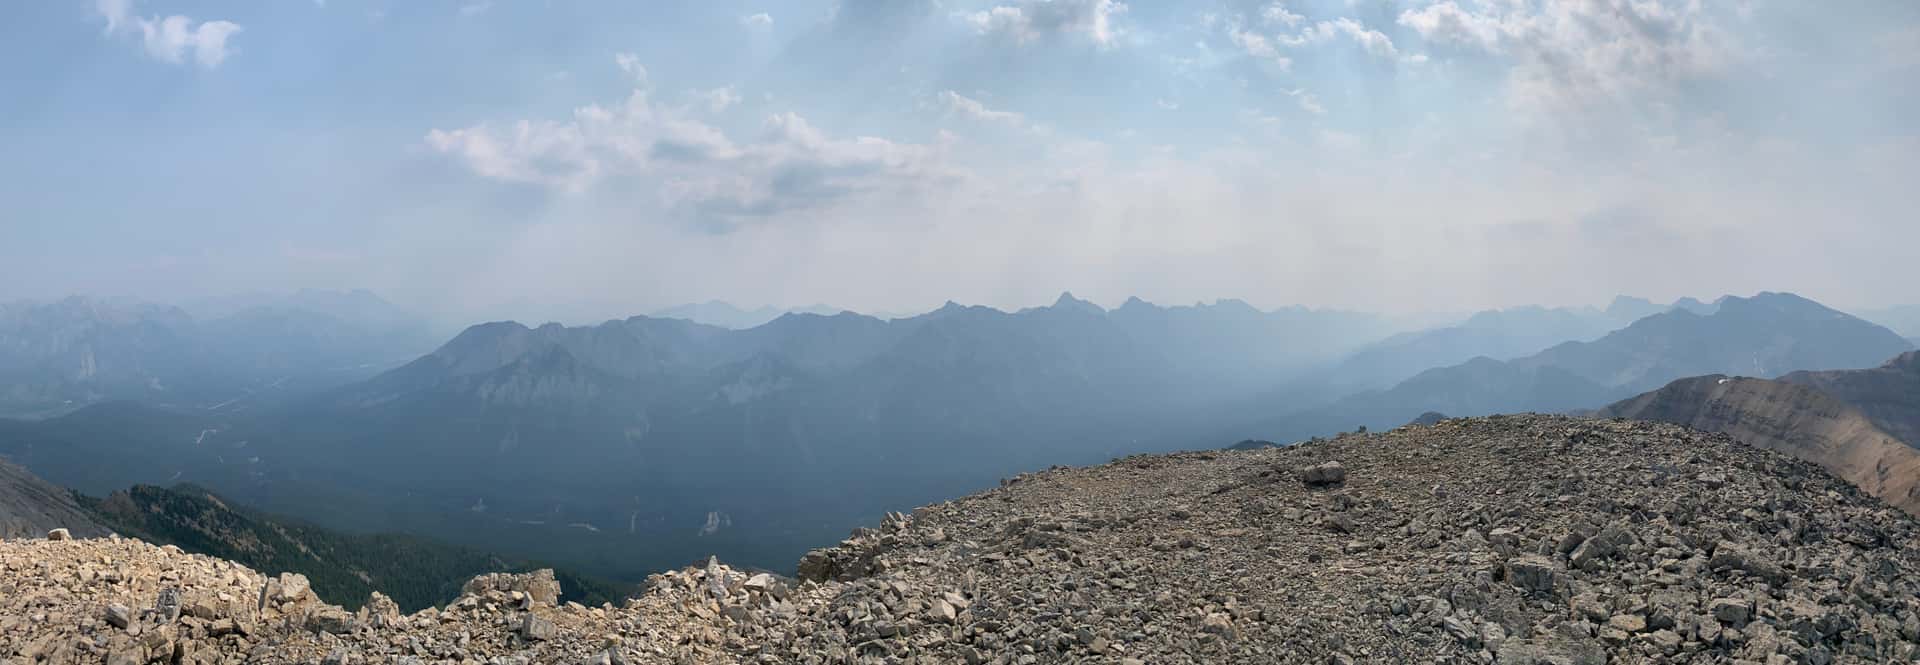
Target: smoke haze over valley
[[1605, 307]]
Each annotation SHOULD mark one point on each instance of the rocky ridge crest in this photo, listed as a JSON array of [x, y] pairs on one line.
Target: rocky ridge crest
[[1515, 539]]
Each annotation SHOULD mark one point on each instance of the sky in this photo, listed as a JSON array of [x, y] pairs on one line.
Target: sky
[[499, 158]]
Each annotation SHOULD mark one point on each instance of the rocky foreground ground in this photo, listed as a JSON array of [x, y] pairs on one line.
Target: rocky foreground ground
[[1524, 539]]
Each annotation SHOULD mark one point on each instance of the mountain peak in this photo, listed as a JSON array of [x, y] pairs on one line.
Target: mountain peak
[[1235, 304], [1066, 301]]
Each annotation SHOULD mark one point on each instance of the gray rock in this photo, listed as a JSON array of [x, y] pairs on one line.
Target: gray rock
[[539, 584], [536, 629], [1534, 573], [166, 606], [330, 620], [1322, 474], [119, 616], [291, 588], [1632, 623], [1732, 612]]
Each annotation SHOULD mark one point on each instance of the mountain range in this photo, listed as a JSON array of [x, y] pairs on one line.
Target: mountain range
[[638, 444], [1496, 334], [634, 444], [1767, 335], [59, 356], [722, 314]]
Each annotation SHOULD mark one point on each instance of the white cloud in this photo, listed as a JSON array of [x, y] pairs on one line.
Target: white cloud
[[1277, 14], [545, 153], [1029, 20], [630, 64], [1167, 104], [1372, 41], [116, 13], [760, 21], [173, 38], [696, 170], [1446, 22], [475, 8], [1257, 45], [973, 108], [1568, 54], [719, 99]]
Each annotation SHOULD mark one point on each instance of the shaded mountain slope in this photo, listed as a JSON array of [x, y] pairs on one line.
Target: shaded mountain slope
[[30, 507], [343, 568]]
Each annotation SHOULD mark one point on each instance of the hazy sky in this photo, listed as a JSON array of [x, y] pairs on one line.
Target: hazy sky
[[891, 154]]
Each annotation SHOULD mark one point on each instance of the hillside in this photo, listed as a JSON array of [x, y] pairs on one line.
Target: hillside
[[1793, 419], [1527, 539], [1888, 394], [31, 507], [343, 568]]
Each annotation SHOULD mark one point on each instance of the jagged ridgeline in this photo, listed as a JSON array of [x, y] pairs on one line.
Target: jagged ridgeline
[[343, 568]]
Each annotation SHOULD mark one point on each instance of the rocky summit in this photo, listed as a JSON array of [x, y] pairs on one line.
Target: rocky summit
[[1514, 539]]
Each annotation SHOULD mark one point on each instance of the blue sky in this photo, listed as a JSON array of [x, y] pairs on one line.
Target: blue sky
[[490, 158]]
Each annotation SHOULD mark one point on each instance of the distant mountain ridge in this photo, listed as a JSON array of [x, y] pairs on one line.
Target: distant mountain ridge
[[62, 355], [723, 314], [1496, 334], [1769, 334], [616, 445], [636, 444]]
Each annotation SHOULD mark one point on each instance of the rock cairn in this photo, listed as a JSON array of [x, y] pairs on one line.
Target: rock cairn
[[1518, 539]]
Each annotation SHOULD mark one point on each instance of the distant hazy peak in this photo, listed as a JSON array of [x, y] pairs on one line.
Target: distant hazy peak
[[1066, 301], [1693, 305], [1630, 308], [1231, 304]]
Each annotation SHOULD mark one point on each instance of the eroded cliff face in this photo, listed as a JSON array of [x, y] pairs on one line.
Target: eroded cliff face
[[1794, 419]]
